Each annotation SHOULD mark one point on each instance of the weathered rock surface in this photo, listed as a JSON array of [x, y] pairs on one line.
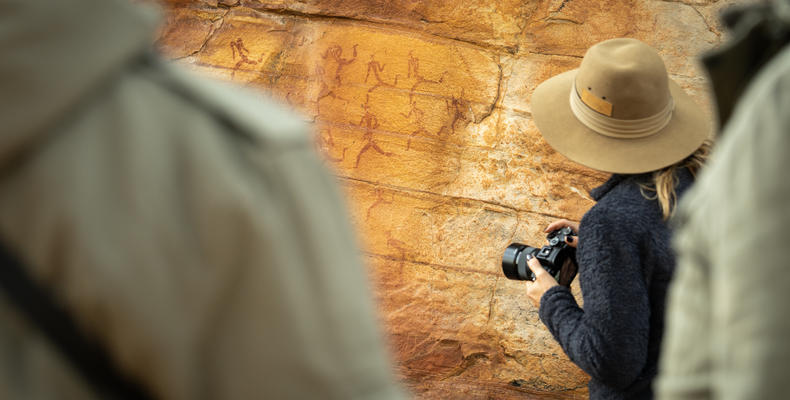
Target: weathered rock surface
[[422, 110]]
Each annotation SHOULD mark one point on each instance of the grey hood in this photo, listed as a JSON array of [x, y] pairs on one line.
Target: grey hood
[[83, 44]]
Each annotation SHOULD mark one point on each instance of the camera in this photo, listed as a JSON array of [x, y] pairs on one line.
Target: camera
[[557, 258]]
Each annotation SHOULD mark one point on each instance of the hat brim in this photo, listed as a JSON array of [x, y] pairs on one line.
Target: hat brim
[[551, 111]]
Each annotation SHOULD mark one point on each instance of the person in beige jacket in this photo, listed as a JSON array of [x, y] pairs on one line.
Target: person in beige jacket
[[728, 315], [186, 226]]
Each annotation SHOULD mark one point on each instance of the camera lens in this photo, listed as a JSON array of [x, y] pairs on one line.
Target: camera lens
[[510, 260], [514, 263]]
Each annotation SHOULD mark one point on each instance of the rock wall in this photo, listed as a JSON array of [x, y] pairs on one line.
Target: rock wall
[[422, 109]]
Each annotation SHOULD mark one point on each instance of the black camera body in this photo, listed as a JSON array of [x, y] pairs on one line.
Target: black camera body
[[557, 258]]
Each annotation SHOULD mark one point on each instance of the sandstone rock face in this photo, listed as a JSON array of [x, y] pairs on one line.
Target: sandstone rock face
[[421, 107]]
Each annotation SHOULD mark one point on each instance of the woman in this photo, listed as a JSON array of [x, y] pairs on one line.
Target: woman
[[627, 117]]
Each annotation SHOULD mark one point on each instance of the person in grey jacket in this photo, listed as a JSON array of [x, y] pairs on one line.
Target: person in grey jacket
[[728, 320], [627, 117], [184, 225]]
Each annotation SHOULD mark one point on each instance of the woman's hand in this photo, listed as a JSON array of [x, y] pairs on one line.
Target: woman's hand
[[543, 281], [571, 241]]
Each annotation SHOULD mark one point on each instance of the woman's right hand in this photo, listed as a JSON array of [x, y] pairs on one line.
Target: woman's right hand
[[559, 224]]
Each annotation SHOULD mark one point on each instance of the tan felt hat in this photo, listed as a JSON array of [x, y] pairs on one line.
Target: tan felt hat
[[619, 111]]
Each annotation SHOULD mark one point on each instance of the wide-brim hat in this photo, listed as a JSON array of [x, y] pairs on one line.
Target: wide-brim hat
[[619, 111]]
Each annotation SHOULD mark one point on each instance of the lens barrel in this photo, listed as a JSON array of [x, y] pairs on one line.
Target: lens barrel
[[514, 263]]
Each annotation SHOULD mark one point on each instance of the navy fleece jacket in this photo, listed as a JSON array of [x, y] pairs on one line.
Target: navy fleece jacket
[[625, 265]]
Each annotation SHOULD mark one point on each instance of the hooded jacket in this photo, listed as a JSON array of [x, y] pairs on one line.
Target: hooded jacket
[[727, 319], [187, 226]]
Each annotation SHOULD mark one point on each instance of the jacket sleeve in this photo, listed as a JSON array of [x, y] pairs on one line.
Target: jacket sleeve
[[608, 339]]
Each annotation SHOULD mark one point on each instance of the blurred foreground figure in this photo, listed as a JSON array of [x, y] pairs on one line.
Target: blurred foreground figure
[[728, 320], [187, 227]]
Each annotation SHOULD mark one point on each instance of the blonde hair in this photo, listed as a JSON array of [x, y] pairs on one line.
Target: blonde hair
[[665, 179]]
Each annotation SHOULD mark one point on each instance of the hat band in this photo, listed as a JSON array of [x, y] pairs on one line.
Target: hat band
[[619, 128]]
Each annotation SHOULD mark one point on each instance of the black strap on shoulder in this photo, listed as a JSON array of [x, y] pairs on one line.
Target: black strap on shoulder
[[43, 312]]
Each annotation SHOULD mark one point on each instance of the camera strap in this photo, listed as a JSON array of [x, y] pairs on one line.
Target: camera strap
[[41, 310]]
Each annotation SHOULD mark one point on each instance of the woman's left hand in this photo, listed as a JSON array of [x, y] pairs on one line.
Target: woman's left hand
[[543, 281]]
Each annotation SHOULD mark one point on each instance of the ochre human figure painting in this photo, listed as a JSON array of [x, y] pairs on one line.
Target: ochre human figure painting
[[336, 54], [379, 201], [237, 47], [328, 89], [370, 123], [325, 142], [414, 72], [376, 67], [456, 110]]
